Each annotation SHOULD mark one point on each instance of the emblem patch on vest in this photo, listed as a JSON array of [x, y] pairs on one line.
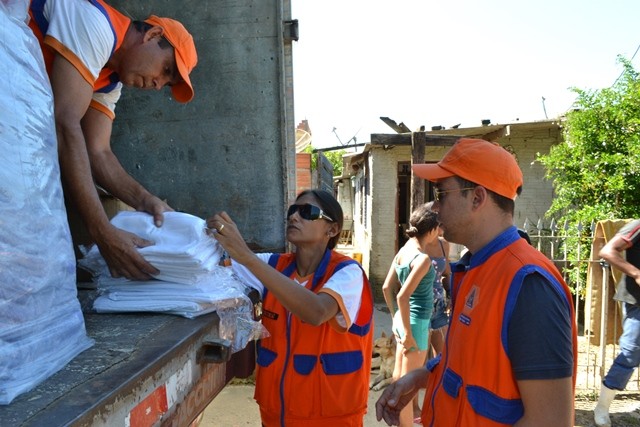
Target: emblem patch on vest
[[470, 301], [269, 314]]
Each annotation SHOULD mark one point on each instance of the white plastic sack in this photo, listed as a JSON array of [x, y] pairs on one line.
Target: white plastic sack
[[41, 324]]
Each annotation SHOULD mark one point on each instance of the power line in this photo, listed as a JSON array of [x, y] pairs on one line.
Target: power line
[[622, 73]]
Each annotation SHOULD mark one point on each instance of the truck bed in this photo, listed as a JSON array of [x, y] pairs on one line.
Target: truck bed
[[143, 368]]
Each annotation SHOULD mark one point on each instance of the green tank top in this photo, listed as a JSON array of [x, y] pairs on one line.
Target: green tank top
[[421, 300]]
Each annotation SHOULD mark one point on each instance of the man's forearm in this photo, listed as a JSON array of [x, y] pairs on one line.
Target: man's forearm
[[105, 166], [110, 175], [72, 95], [78, 181], [612, 253]]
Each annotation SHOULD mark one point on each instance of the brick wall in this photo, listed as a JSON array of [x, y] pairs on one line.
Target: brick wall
[[303, 172]]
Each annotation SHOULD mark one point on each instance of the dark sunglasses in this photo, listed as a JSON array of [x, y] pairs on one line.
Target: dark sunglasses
[[438, 194], [308, 212]]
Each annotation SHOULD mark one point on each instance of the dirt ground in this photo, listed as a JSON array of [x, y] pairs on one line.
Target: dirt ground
[[235, 407], [625, 410]]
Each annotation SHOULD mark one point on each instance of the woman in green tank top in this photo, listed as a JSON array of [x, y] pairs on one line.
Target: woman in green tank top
[[408, 292]]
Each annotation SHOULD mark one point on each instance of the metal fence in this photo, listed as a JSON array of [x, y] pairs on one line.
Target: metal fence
[[594, 358]]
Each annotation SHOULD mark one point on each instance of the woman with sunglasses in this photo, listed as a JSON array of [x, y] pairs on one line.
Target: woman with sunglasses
[[314, 368], [408, 292]]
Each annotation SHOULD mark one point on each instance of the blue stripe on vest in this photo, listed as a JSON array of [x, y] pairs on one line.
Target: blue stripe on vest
[[321, 270], [37, 11], [360, 330], [114, 79], [273, 260], [106, 14]]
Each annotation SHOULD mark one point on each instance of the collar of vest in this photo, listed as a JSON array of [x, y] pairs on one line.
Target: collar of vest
[[501, 241], [317, 276]]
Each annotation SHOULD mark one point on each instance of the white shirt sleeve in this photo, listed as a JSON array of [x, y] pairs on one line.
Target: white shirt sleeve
[[83, 29], [109, 99], [85, 33], [347, 283]]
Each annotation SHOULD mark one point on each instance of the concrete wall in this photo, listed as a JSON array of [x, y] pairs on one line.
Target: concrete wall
[[232, 147], [537, 192], [383, 218], [345, 198]]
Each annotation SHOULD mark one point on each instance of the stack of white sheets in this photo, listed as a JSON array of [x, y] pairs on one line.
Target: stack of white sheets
[[191, 281], [217, 290], [182, 251]]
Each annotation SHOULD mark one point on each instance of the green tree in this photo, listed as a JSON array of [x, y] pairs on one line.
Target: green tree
[[334, 156], [596, 169]]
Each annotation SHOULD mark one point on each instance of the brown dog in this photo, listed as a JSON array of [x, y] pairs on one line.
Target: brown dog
[[384, 357]]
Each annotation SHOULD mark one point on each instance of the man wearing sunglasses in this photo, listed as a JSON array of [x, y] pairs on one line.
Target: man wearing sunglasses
[[510, 352], [91, 50], [314, 369]]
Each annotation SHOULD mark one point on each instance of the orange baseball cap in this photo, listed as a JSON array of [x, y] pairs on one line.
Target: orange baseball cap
[[185, 50], [482, 162]]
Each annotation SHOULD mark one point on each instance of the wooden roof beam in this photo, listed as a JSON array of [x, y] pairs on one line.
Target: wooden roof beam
[[405, 139]]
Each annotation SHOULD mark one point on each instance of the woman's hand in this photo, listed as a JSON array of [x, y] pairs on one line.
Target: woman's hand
[[224, 230], [409, 344]]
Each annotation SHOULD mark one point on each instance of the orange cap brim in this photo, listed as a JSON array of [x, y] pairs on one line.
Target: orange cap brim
[[431, 171], [183, 91]]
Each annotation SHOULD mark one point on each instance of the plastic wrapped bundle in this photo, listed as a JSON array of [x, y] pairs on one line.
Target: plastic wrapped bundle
[[41, 324]]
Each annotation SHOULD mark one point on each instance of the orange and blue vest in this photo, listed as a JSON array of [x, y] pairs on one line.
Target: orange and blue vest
[[309, 375], [107, 79], [478, 388]]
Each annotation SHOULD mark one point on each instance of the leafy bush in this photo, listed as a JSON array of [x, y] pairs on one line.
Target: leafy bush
[[596, 169]]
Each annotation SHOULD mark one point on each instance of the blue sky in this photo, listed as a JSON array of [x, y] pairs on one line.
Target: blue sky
[[451, 61]]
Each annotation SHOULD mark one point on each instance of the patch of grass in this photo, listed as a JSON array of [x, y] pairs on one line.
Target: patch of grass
[[250, 380], [588, 396]]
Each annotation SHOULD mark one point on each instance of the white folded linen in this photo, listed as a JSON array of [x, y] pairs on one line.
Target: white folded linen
[[183, 252], [219, 289], [191, 281]]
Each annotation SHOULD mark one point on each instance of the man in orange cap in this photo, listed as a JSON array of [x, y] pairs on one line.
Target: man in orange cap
[[510, 352], [91, 50]]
